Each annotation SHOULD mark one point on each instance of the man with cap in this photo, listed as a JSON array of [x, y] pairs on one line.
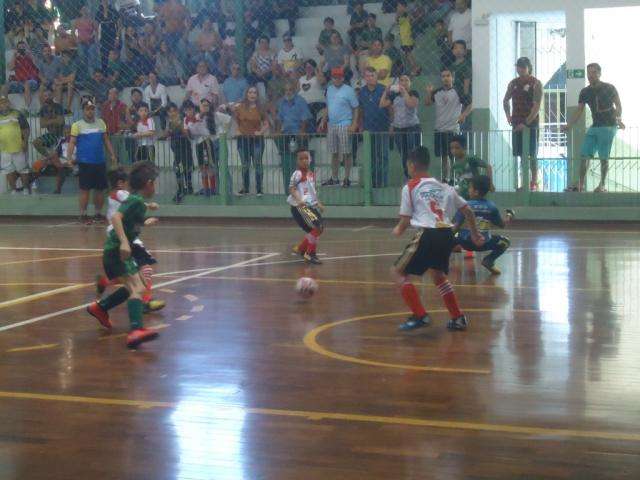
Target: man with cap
[[522, 106], [89, 138], [289, 57], [14, 134], [342, 122]]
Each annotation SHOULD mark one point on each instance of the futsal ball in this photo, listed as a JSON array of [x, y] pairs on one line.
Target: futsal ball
[[306, 287]]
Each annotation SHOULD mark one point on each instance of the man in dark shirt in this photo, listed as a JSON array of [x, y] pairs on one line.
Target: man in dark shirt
[[606, 110], [358, 23]]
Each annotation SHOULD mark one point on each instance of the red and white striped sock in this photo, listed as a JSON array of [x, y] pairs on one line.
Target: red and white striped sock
[[146, 271], [449, 297]]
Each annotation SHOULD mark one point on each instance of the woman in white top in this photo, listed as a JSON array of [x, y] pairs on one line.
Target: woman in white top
[[155, 95], [312, 87]]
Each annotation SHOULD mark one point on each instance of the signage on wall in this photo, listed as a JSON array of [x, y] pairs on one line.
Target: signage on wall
[[575, 73]]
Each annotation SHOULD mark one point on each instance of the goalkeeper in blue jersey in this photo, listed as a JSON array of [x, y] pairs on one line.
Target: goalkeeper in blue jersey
[[487, 215]]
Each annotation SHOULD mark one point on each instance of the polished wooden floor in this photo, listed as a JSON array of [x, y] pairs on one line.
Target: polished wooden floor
[[249, 382]]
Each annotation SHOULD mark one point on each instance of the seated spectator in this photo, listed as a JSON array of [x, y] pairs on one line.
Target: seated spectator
[[235, 86], [202, 85], [391, 51], [407, 42], [358, 23], [292, 123], [262, 64], [54, 158], [380, 63], [155, 95], [324, 40], [52, 121], [108, 20], [37, 40], [170, 71], [438, 11], [14, 138], [49, 69], [119, 73], [98, 87], [87, 32], [148, 45], [209, 45], [64, 42], [370, 33], [287, 9], [265, 16], [460, 24], [289, 57], [337, 55], [173, 15], [14, 20], [66, 79], [461, 68], [442, 42], [25, 77], [389, 6], [213, 11], [311, 88]]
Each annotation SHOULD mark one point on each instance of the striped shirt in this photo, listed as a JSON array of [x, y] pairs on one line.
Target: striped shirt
[[89, 140]]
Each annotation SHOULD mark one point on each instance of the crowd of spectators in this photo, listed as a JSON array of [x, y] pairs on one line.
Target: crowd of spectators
[[362, 80]]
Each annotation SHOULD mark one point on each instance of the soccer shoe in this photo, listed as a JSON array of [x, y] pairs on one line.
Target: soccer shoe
[[101, 284], [312, 258], [99, 218], [154, 306], [414, 323], [140, 335], [346, 183], [100, 314], [458, 324], [297, 251], [468, 254], [491, 267]]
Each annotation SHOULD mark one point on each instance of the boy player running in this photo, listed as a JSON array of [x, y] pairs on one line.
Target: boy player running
[[429, 206]]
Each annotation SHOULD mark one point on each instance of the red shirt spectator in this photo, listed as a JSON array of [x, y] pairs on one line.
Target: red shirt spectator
[[23, 66], [115, 114]]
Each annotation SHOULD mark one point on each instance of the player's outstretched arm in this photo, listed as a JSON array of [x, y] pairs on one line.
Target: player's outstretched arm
[[470, 219]]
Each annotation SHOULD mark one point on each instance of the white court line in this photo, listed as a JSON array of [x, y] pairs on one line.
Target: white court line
[[160, 285], [46, 293], [362, 229], [75, 249]]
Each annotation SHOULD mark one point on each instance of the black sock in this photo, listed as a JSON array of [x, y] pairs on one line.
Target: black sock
[[116, 298]]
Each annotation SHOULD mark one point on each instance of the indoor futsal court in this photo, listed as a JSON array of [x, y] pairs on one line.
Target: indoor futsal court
[[250, 381]]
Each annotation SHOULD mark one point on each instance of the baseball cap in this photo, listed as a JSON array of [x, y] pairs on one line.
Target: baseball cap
[[524, 62], [88, 103], [337, 72]]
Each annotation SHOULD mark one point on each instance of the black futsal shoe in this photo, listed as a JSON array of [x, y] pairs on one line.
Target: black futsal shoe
[[458, 324], [312, 258], [414, 323]]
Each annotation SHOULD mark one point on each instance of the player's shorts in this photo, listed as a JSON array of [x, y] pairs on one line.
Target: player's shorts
[[492, 242], [338, 140], [14, 162], [114, 267], [441, 141], [598, 140], [429, 249], [140, 254], [517, 139], [92, 176], [307, 218]]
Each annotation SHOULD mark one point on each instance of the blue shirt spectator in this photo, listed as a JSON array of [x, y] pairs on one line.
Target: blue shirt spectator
[[293, 112], [235, 86], [375, 119], [340, 104]]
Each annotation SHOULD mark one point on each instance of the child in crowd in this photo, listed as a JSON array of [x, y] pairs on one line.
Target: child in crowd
[[145, 133], [182, 156], [487, 214], [429, 206], [407, 42], [305, 207], [117, 257]]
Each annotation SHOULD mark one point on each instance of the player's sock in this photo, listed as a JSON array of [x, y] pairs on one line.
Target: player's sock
[[136, 308], [412, 299], [313, 236], [146, 272], [116, 298], [449, 297], [205, 182], [303, 246], [212, 183]]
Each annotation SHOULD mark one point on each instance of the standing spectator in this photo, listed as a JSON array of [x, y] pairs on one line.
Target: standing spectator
[[358, 23], [89, 136], [201, 128], [87, 31], [292, 123], [168, 67], [442, 42], [342, 122], [26, 76], [252, 122], [37, 12], [235, 85], [311, 88], [173, 14], [182, 156], [452, 108], [394, 54], [155, 95], [262, 64], [265, 16], [108, 20], [64, 41], [606, 111], [49, 69], [116, 117], [370, 33], [324, 40], [14, 135], [145, 133], [380, 63], [289, 57], [460, 24], [461, 68], [66, 80], [137, 101], [525, 93], [287, 9], [407, 42], [202, 85], [337, 55], [118, 72], [376, 119], [406, 124]]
